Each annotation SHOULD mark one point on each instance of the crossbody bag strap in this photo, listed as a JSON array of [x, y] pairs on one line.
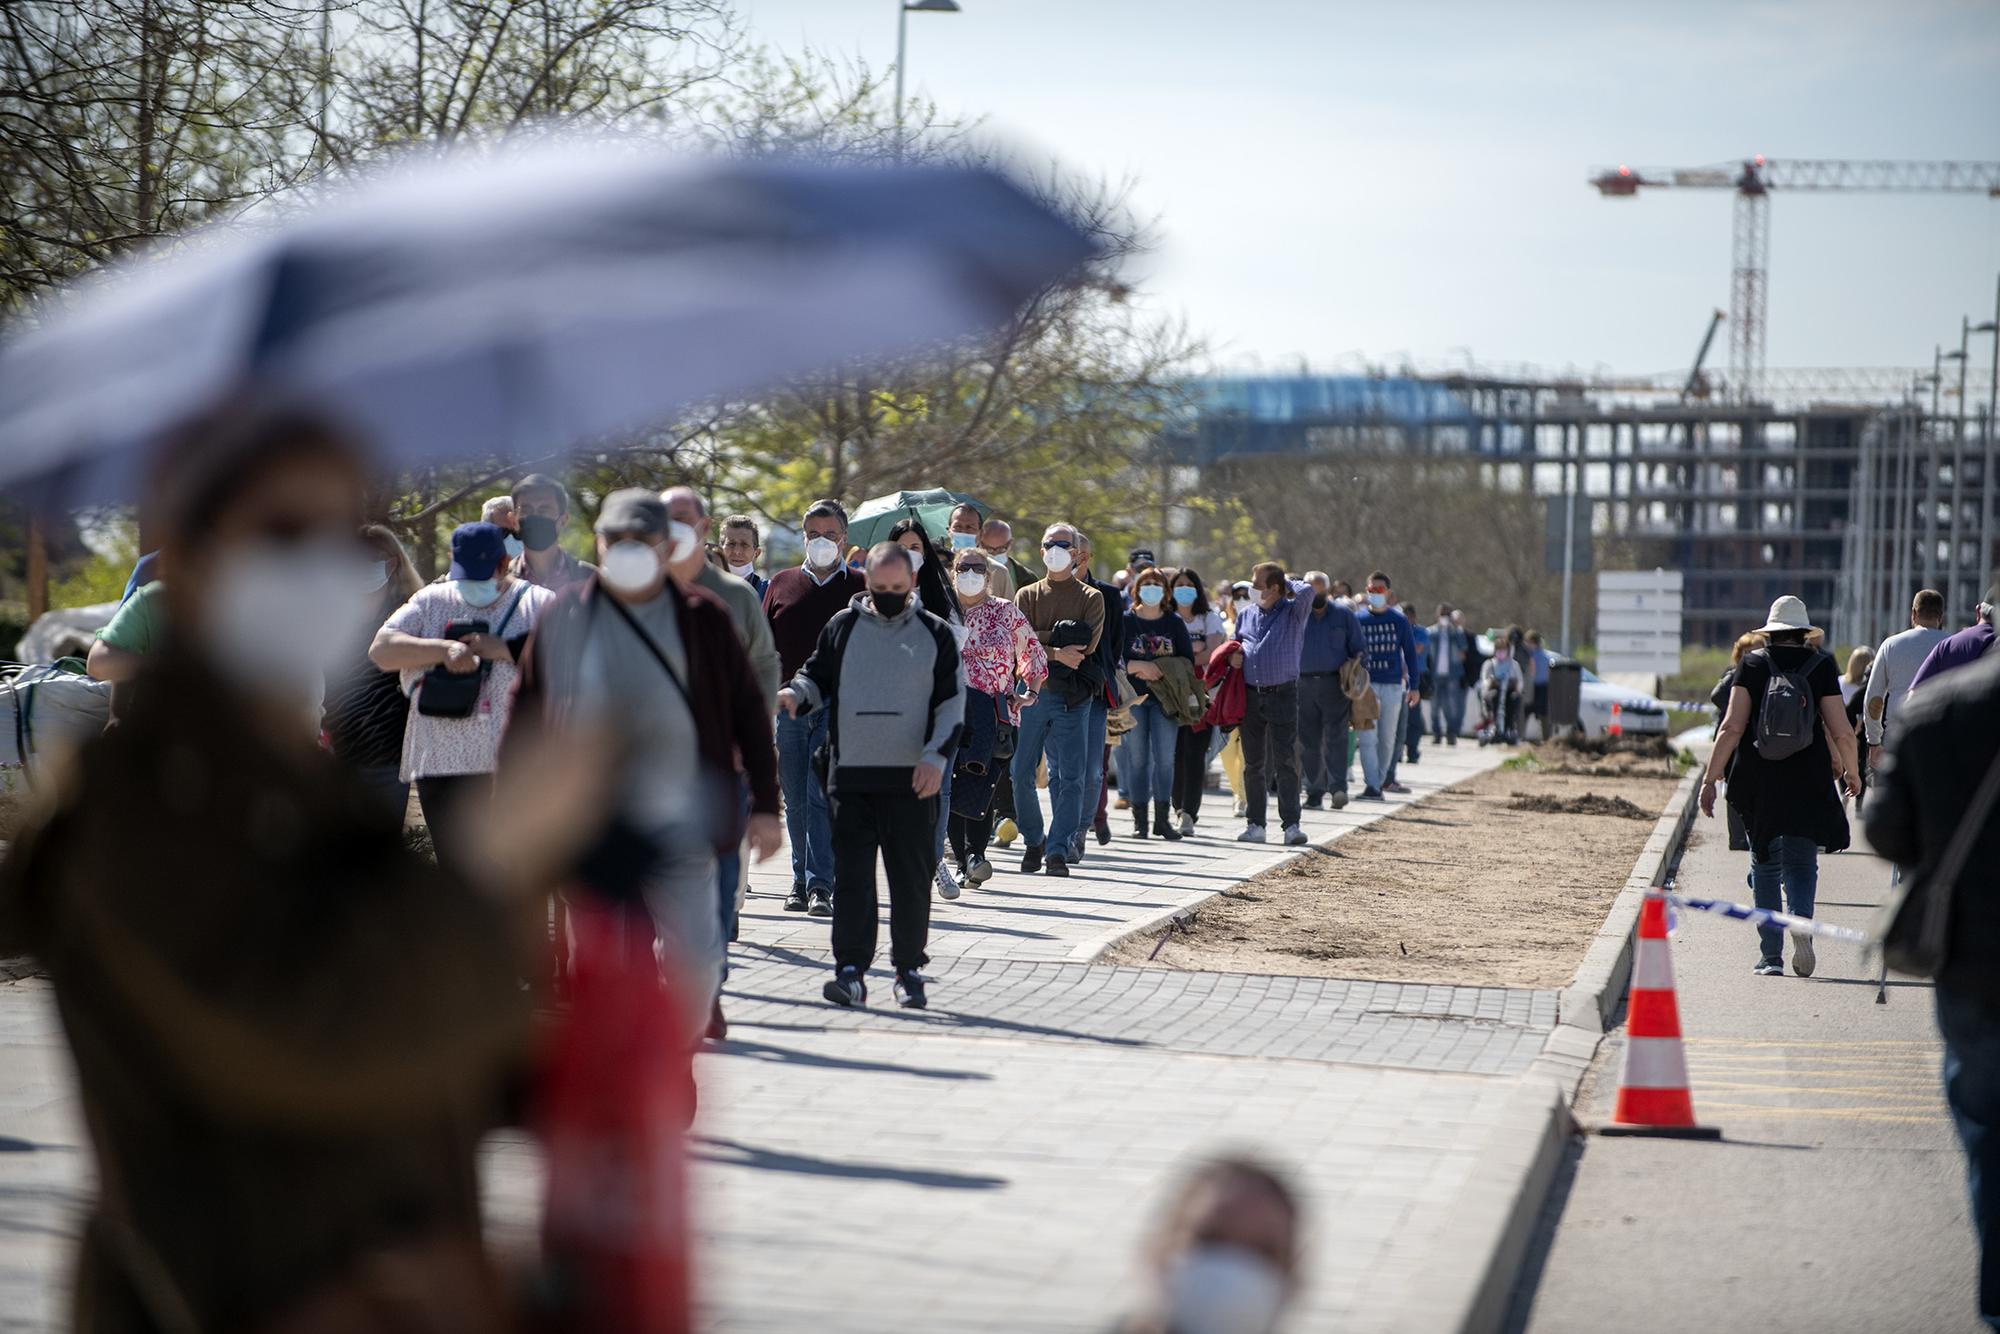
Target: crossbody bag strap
[[659, 655]]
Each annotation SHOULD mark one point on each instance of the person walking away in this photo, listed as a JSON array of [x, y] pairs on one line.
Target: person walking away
[[640, 655], [1000, 649], [1538, 683], [367, 712], [541, 509], [1152, 632], [1939, 755], [1272, 632], [1739, 838], [1068, 617], [1194, 747], [1109, 647], [455, 644], [1964, 648], [799, 602], [1226, 1256], [1853, 688], [1896, 663], [1331, 640], [740, 548], [203, 889], [1785, 733], [1392, 677], [996, 539], [1448, 645], [888, 673]]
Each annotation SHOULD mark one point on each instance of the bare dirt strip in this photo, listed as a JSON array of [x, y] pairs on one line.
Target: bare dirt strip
[[1501, 880]]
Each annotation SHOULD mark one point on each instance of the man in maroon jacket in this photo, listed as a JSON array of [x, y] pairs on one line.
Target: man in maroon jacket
[[661, 667], [800, 601]]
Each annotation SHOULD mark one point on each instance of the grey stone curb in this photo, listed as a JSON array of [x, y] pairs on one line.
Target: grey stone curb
[[1510, 1187]]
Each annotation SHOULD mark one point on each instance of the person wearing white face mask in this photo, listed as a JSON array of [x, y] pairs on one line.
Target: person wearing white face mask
[[740, 546], [639, 651], [799, 602], [999, 649], [206, 889], [1226, 1259], [470, 624], [499, 511], [367, 712], [688, 523]]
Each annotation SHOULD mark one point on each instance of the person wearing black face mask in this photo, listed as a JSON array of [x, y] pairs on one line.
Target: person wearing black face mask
[[541, 506], [889, 678]]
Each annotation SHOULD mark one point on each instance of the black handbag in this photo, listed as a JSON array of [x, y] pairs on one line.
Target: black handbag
[[1915, 928], [443, 693]]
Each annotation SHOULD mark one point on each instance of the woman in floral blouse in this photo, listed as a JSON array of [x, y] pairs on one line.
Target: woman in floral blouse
[[999, 648]]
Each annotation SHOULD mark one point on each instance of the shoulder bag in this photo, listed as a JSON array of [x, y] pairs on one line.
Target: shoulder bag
[[443, 693], [1915, 928]]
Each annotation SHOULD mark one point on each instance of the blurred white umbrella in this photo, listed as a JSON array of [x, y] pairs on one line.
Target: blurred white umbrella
[[522, 302]]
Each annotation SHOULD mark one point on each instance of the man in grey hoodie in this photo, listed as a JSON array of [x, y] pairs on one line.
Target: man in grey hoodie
[[890, 676]]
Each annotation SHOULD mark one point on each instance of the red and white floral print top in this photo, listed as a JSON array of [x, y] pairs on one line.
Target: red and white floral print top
[[998, 645]]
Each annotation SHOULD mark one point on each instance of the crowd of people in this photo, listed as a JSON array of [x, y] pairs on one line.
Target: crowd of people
[[900, 706]]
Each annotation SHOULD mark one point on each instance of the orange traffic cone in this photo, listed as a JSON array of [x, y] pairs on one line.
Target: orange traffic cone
[[1617, 727], [1653, 1094]]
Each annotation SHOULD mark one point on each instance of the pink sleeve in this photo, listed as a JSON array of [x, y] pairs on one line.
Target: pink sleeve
[[1034, 658]]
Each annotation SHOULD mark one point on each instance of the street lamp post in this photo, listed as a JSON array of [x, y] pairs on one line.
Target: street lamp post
[[903, 10], [1952, 569], [1988, 493]]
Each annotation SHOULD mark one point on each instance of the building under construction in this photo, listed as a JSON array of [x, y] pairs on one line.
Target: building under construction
[[1852, 489]]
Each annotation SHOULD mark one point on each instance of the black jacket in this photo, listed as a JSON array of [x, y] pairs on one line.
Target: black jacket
[[1075, 685], [1947, 735], [1110, 644]]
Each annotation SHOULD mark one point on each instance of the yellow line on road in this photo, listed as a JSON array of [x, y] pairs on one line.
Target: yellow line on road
[[1852, 1114], [1931, 1044], [1811, 1090]]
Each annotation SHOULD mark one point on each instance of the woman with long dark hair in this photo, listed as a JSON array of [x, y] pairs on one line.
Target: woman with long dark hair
[[933, 589], [366, 709]]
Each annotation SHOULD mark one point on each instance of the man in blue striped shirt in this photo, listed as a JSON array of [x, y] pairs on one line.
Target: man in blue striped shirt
[[1272, 631]]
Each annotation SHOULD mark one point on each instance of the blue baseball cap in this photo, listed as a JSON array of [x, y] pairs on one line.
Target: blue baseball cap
[[477, 550]]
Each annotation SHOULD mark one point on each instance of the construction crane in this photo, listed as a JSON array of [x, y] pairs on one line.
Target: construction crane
[[1753, 180]]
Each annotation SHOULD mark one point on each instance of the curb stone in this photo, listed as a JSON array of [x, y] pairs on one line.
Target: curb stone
[[1510, 1181]]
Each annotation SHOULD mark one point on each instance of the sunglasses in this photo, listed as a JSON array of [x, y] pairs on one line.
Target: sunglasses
[[1050, 545]]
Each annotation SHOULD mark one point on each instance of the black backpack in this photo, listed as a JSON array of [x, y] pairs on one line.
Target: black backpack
[[1787, 719]]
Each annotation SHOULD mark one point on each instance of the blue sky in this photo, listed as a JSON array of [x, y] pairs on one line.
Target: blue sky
[[1409, 179]]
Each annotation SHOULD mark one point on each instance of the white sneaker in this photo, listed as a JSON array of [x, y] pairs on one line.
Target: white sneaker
[[947, 884], [1253, 834], [1187, 825], [1803, 961], [1295, 837]]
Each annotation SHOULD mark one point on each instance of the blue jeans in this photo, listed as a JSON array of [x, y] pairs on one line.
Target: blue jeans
[[1048, 725], [808, 823], [729, 870], [1794, 866], [1149, 755], [1971, 1030], [1448, 709], [1095, 728], [1378, 751]]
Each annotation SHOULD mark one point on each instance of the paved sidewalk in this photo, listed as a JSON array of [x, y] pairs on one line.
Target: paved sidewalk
[[991, 1164], [1836, 1201]]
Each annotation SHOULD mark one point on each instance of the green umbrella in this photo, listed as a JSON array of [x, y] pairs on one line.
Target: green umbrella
[[932, 508]]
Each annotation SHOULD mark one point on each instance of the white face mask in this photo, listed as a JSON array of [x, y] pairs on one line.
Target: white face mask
[[743, 571], [1056, 559], [916, 558], [375, 576], [630, 566], [822, 552], [513, 546], [478, 592], [279, 618], [1224, 1290], [963, 541], [970, 583]]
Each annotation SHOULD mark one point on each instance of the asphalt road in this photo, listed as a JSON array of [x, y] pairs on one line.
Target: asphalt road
[[1835, 1201]]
